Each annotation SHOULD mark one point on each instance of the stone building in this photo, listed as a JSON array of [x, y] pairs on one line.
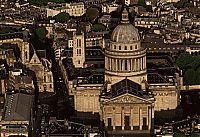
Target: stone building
[[17, 119], [126, 108], [20, 39], [42, 67], [74, 9], [124, 56], [125, 105]]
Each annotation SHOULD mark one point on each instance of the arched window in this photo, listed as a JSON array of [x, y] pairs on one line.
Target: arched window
[[119, 47], [135, 46]]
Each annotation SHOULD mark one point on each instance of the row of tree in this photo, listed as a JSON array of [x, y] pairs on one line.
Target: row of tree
[[191, 68]]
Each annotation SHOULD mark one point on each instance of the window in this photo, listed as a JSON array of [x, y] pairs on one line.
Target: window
[[26, 55], [109, 122], [119, 47], [125, 48], [50, 86], [131, 48], [114, 46], [135, 46], [44, 78], [79, 62]]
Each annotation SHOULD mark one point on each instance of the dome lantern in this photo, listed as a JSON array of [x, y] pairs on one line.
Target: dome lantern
[[125, 18]]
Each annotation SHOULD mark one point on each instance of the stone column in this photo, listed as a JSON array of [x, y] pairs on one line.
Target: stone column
[[149, 119], [135, 64], [131, 118], [122, 64], [128, 65], [122, 119], [111, 64], [116, 63], [140, 113], [142, 63]]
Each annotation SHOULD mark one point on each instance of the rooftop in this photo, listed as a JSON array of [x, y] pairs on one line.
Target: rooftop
[[18, 107]]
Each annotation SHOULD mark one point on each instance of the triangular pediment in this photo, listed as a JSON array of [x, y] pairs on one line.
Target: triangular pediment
[[35, 59], [128, 98]]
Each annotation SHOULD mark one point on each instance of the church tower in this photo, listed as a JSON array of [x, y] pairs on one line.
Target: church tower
[[124, 56]]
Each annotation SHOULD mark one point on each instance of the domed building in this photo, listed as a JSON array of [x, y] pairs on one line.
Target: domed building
[[124, 105], [124, 56]]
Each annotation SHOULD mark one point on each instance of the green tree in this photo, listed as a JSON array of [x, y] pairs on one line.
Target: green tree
[[6, 30], [142, 3], [179, 135], [197, 76], [190, 77], [183, 60], [57, 1], [182, 4], [132, 16], [115, 14], [92, 13], [194, 135], [41, 33], [98, 27], [62, 17]]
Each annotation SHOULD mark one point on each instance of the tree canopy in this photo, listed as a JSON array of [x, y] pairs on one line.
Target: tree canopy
[[92, 13], [38, 2], [41, 33], [179, 135], [115, 14], [98, 27], [143, 4], [191, 68], [183, 4], [6, 30], [62, 17]]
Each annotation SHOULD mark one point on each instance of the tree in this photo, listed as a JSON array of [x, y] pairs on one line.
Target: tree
[[142, 3], [179, 135], [62, 17], [190, 77], [194, 135], [182, 4], [98, 27], [6, 30], [184, 59], [115, 14], [92, 13], [57, 1], [132, 16], [41, 33]]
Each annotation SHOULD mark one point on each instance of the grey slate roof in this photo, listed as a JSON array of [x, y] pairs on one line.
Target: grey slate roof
[[18, 107]]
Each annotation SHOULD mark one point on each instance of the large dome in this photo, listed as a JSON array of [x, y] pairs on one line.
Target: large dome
[[125, 33]]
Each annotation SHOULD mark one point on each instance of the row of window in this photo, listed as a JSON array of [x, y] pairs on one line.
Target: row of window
[[125, 47]]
